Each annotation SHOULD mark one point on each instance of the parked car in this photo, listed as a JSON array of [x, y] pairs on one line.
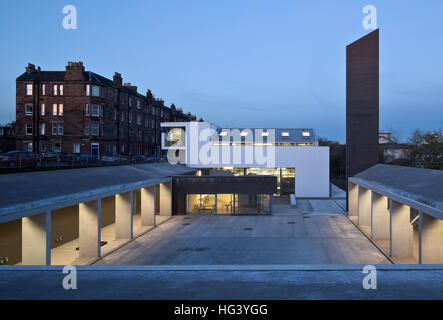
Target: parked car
[[51, 156], [109, 159], [14, 159], [81, 159]]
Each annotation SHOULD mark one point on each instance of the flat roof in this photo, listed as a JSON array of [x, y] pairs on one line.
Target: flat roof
[[424, 186], [29, 191]]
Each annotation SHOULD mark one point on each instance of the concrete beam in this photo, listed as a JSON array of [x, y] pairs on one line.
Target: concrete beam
[[364, 207], [401, 231], [352, 199], [36, 239], [124, 208], [380, 217], [90, 229], [166, 199], [431, 240], [148, 206]]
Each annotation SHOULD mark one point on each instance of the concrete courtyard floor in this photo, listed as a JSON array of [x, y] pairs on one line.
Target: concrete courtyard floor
[[286, 238]]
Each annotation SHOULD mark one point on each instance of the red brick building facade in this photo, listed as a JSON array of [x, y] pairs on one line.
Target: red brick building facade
[[78, 111]]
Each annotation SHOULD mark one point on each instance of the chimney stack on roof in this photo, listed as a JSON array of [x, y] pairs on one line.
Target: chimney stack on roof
[[130, 86], [30, 68], [74, 71], [149, 96], [117, 80]]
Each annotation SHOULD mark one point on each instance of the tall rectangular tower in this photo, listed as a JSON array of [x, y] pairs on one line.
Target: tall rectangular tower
[[362, 103]]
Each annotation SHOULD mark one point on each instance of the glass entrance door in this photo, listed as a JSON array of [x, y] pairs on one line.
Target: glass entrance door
[[225, 203]]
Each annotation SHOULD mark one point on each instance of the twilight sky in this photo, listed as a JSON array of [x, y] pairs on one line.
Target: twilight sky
[[253, 63]]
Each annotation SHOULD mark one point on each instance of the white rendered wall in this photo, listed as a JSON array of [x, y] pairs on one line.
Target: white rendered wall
[[311, 163]]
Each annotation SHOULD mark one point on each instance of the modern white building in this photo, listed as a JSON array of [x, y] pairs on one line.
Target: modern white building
[[292, 155]]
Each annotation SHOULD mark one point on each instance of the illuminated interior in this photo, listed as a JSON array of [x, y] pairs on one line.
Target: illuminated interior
[[228, 203], [285, 177], [176, 137]]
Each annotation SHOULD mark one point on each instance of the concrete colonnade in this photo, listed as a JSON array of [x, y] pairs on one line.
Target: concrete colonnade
[[36, 229], [406, 234]]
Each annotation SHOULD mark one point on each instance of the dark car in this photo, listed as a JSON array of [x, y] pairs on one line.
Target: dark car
[[51, 156], [82, 159], [14, 159]]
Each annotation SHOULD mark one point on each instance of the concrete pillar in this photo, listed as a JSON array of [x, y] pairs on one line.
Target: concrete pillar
[[431, 240], [148, 206], [380, 217], [352, 199], [166, 199], [90, 228], [36, 239], [401, 231], [124, 208], [364, 207]]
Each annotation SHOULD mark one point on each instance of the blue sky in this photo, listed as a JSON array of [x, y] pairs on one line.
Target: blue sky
[[239, 63]]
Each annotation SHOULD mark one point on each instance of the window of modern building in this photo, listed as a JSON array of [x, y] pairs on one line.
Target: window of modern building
[[60, 129], [306, 134], [95, 110], [28, 128], [95, 131], [176, 137], [228, 203], [76, 147], [29, 89], [28, 109], [42, 109], [285, 134]]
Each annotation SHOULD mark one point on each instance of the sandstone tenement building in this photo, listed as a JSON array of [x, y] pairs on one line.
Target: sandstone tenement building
[[78, 111]]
